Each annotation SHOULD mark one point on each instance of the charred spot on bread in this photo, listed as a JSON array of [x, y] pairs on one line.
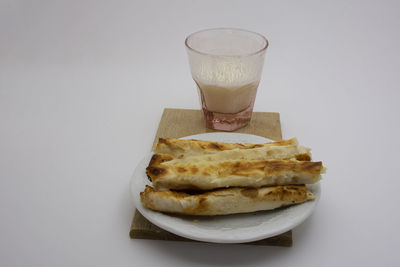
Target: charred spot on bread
[[303, 157], [310, 165], [181, 169], [155, 170], [154, 159], [162, 140], [257, 145], [157, 159], [215, 146], [249, 192]]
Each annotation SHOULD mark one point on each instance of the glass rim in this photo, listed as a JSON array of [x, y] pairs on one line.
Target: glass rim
[[229, 56]]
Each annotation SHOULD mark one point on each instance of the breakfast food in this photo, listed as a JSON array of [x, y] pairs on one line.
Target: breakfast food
[[180, 148], [225, 201], [292, 151], [214, 178], [243, 173]]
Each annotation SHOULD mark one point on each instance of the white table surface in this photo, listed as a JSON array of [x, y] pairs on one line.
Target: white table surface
[[82, 88]]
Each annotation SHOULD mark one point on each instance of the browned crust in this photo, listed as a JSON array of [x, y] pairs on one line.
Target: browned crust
[[157, 159], [180, 145], [238, 167], [303, 157], [201, 204]]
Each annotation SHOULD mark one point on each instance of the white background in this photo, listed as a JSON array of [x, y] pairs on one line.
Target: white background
[[82, 88]]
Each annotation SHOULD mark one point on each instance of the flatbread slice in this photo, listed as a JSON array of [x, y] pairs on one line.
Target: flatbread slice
[[225, 201], [260, 153], [234, 173], [180, 148]]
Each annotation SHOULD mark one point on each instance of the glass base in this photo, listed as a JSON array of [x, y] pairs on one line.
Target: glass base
[[228, 121], [225, 121]]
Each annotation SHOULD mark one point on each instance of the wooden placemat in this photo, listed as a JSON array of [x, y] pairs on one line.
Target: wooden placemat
[[183, 122]]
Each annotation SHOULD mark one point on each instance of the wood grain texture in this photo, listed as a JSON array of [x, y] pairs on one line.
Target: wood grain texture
[[184, 122]]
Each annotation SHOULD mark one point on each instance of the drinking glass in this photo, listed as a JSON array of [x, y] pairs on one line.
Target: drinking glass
[[226, 64]]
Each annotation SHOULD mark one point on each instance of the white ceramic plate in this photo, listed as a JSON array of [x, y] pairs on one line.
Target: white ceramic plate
[[237, 228]]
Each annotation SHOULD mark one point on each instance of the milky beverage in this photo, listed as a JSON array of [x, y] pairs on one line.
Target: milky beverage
[[226, 65], [227, 99], [226, 86]]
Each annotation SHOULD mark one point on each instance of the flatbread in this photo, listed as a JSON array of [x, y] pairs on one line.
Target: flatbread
[[260, 153], [182, 148], [225, 201], [243, 173], [228, 178]]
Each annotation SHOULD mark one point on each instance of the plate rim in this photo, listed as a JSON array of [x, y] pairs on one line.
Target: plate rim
[[255, 237]]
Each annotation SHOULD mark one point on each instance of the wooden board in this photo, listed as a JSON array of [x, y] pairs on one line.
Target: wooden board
[[143, 229], [183, 122]]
